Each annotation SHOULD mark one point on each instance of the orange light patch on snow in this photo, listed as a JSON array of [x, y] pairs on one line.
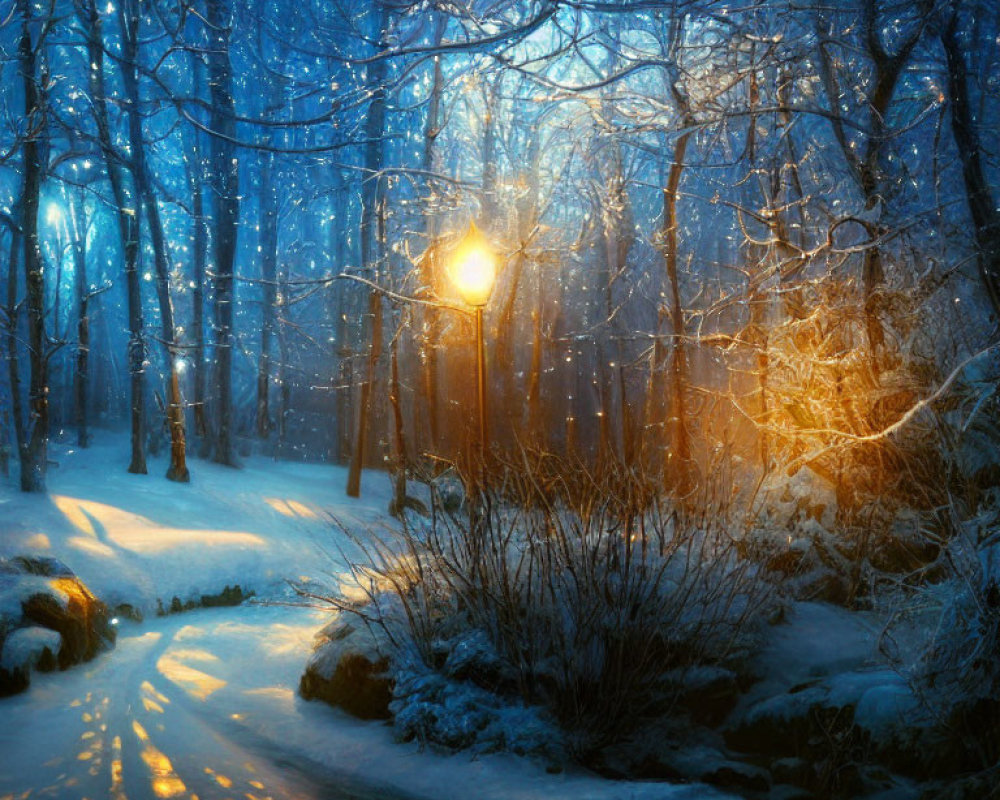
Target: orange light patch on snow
[[90, 546], [281, 693], [116, 769], [164, 780], [39, 542], [108, 525], [151, 691], [73, 510], [291, 508], [195, 682]]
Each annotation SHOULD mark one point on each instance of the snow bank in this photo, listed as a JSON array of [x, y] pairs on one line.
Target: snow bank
[[137, 539]]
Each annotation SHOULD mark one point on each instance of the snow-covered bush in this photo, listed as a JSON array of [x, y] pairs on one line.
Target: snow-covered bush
[[959, 673], [584, 600]]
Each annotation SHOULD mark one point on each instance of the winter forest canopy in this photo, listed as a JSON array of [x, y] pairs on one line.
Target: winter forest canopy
[[762, 228]]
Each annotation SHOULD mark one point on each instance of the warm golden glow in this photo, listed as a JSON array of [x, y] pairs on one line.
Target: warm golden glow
[[291, 508], [195, 682], [38, 541], [165, 782], [105, 527], [116, 769], [151, 691], [473, 268]]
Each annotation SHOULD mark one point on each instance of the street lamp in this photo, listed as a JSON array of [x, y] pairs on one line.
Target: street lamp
[[474, 271]]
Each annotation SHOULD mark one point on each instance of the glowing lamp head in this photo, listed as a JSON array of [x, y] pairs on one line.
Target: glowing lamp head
[[473, 268]]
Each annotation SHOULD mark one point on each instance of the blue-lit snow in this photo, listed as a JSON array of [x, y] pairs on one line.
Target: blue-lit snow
[[204, 703]]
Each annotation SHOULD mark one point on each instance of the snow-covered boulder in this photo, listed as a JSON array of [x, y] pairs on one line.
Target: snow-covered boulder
[[349, 669], [872, 712], [48, 618], [28, 648]]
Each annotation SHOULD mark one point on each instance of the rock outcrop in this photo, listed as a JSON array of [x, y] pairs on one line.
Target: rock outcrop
[[348, 669], [48, 619]]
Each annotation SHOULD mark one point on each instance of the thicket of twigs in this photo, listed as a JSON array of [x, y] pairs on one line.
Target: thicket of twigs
[[590, 596]]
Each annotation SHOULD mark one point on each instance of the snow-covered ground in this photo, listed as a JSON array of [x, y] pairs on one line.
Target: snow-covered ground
[[139, 538], [203, 704]]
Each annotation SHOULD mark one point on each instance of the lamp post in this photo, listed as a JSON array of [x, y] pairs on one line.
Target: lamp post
[[473, 271]]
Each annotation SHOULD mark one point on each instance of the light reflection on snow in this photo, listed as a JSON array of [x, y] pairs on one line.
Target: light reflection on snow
[[195, 682], [38, 541], [222, 780], [90, 546], [194, 655], [284, 694], [150, 691], [116, 769], [73, 510], [165, 781], [281, 639], [291, 508], [108, 525]]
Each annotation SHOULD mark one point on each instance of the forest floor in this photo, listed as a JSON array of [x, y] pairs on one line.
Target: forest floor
[[203, 703]]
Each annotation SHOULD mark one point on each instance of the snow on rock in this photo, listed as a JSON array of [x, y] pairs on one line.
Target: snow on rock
[[822, 680], [349, 669], [430, 707], [26, 648], [48, 617]]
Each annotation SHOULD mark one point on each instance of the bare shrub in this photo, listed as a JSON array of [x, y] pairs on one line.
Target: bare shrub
[[959, 672], [589, 596]]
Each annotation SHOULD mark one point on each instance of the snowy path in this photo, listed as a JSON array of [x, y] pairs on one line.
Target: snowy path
[[155, 718], [203, 704]]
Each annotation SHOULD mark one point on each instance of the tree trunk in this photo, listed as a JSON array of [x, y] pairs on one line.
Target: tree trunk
[[128, 231], [13, 368], [867, 169], [284, 385], [194, 169], [488, 193], [400, 456], [268, 273], [372, 198], [81, 376], [199, 244], [338, 246], [224, 179], [34, 453], [680, 447], [965, 129], [431, 335], [129, 19]]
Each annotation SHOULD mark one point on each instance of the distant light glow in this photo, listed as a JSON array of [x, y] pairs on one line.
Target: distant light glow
[[53, 214]]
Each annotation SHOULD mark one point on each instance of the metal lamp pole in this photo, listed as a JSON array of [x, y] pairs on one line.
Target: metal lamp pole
[[481, 380], [474, 273]]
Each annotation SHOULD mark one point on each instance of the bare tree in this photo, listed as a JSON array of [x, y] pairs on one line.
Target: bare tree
[[373, 188], [866, 164], [224, 180], [128, 16], [34, 451], [126, 206], [966, 128]]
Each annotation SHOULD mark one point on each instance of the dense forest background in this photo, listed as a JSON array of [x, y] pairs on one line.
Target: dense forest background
[[763, 232]]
